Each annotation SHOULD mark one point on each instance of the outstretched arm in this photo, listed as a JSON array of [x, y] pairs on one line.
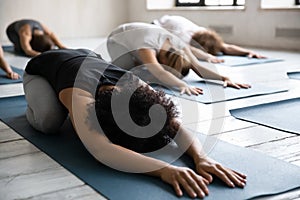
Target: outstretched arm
[[205, 166], [121, 158], [148, 57], [5, 66], [53, 37], [210, 72], [200, 54], [25, 35], [231, 49]]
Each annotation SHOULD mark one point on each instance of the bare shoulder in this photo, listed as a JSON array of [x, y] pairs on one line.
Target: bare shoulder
[[25, 29]]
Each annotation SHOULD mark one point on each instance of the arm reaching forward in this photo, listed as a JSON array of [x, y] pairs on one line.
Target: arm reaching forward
[[210, 72], [120, 158]]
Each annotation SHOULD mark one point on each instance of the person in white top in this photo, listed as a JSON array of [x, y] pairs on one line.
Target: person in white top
[[201, 39], [162, 53]]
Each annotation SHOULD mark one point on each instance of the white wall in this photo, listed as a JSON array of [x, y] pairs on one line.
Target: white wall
[[251, 27], [67, 18], [96, 18]]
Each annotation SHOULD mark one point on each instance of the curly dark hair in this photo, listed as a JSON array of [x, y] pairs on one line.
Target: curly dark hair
[[141, 100]]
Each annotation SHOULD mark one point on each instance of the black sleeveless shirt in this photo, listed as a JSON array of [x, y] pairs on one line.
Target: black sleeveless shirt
[[81, 68]]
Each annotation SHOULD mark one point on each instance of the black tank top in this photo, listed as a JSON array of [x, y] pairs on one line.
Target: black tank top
[[81, 68], [33, 25]]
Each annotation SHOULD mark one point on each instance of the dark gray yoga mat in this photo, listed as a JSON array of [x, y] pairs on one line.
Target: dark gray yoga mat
[[294, 75], [266, 175], [281, 115], [10, 49], [238, 61], [214, 92], [5, 80]]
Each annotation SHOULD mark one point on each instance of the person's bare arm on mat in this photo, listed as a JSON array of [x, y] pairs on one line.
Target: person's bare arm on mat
[[200, 54], [231, 49], [206, 166], [126, 160], [119, 157], [6, 68], [148, 57], [208, 73]]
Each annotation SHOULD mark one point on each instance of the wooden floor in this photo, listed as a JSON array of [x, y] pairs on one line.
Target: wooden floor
[[27, 173]]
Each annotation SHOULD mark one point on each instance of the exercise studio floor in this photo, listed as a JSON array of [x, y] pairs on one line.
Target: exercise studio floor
[[28, 173]]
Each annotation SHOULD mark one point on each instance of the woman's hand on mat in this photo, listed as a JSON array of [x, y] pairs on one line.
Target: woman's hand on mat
[[207, 167], [13, 75], [190, 90], [183, 177], [214, 59], [252, 54], [229, 83]]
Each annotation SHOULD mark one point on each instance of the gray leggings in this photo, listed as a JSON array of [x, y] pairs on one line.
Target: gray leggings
[[44, 111]]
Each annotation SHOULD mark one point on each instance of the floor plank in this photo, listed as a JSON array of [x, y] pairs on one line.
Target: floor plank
[[76, 193], [16, 148], [287, 149], [7, 134], [26, 164], [28, 185], [253, 136]]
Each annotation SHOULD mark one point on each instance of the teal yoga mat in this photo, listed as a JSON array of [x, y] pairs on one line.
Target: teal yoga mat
[[10, 49], [5, 80], [294, 75], [238, 61], [281, 115], [266, 175], [214, 92]]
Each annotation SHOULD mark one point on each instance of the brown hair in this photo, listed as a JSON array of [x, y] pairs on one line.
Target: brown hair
[[209, 40], [177, 62], [41, 43]]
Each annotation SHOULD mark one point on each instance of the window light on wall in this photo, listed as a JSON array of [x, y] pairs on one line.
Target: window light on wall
[[280, 3], [170, 4], [210, 2]]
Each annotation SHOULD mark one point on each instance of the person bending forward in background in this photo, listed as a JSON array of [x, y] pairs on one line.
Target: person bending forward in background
[[32, 37], [204, 43], [80, 83], [154, 53]]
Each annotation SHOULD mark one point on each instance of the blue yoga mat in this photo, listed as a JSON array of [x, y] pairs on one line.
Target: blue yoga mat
[[281, 115], [236, 61], [5, 80], [213, 92], [266, 175], [294, 75], [10, 49]]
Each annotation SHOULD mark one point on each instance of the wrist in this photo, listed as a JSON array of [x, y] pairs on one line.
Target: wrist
[[9, 74], [183, 84], [209, 56], [159, 172], [199, 157], [224, 78], [249, 53]]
